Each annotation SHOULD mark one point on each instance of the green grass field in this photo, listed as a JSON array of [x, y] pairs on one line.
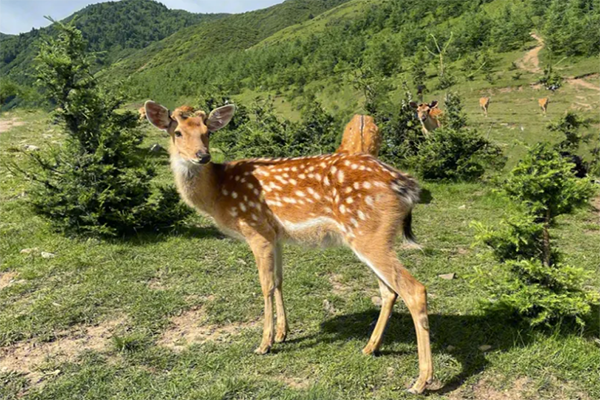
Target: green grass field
[[177, 315]]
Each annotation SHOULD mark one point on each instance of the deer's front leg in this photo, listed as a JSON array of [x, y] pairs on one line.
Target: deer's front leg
[[264, 252]]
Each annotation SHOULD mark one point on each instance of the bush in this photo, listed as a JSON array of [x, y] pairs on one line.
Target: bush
[[456, 154], [98, 181], [259, 132], [529, 279]]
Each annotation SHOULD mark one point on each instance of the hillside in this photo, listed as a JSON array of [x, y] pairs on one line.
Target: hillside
[[234, 33], [112, 28]]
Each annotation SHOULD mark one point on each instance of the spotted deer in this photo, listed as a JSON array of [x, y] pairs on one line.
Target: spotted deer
[[484, 103], [349, 199], [544, 104], [361, 136], [429, 115]]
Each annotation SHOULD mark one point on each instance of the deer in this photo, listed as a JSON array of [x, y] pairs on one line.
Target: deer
[[543, 102], [142, 113], [484, 103], [428, 115], [353, 200], [361, 136]]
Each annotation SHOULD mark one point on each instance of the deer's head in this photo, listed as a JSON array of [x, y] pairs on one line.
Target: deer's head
[[189, 129], [423, 109]]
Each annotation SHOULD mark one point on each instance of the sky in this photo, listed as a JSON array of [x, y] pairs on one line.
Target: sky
[[18, 16]]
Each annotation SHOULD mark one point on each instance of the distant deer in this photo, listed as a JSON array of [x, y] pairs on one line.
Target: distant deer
[[428, 115], [142, 113], [350, 199], [484, 103], [544, 104], [361, 136]]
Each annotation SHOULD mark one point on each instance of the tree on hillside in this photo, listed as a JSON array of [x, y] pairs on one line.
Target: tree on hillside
[[98, 182]]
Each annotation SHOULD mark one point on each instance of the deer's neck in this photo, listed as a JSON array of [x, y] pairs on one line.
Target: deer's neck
[[197, 184], [430, 124]]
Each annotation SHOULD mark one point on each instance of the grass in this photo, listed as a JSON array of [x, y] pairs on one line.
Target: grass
[[138, 290]]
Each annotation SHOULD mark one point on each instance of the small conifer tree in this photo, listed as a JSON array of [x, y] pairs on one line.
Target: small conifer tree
[[530, 279], [97, 181]]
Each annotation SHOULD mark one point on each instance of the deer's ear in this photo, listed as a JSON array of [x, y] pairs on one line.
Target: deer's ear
[[157, 115], [220, 117], [433, 104], [414, 105]]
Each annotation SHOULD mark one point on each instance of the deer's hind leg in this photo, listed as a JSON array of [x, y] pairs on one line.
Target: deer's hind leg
[[282, 325], [378, 254], [388, 299]]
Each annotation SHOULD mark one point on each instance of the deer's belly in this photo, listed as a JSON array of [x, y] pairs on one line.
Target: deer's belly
[[320, 231]]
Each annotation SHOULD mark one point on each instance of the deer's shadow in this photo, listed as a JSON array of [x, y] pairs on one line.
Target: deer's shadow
[[459, 336]]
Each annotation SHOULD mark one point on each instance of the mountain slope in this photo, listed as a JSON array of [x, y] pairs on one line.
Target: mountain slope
[[113, 28], [234, 32]]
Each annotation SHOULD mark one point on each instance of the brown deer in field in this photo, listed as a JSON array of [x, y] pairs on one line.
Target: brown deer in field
[[349, 199], [544, 104], [361, 136], [484, 103], [142, 113], [429, 115]]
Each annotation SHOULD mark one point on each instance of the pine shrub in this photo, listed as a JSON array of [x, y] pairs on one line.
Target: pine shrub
[[529, 279], [98, 181]]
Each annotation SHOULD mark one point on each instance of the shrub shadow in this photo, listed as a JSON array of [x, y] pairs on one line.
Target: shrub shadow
[[457, 335], [185, 231]]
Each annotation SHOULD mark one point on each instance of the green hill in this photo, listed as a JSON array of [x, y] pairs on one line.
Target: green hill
[[113, 28], [234, 33]]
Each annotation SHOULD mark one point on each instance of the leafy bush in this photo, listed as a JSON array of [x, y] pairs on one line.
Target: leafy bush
[[529, 279], [456, 154], [259, 132], [98, 181]]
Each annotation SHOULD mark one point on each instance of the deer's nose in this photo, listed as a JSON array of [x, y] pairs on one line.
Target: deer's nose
[[203, 157]]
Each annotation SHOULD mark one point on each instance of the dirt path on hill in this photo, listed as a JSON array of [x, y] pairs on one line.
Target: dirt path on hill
[[531, 61], [584, 84]]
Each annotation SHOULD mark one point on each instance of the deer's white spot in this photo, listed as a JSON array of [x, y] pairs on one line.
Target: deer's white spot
[[225, 192], [243, 207], [362, 215], [234, 195], [369, 201], [300, 193], [293, 181], [349, 200], [343, 209], [367, 185]]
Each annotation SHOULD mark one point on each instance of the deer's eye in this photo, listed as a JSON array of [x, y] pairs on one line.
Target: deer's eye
[[177, 133]]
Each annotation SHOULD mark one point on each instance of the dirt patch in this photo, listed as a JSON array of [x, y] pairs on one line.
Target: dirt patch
[[8, 124], [294, 382], [6, 279], [191, 328], [28, 357], [510, 89], [521, 389], [338, 287]]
